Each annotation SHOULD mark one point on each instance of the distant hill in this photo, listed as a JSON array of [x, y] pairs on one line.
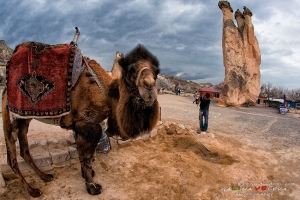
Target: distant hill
[[170, 83]]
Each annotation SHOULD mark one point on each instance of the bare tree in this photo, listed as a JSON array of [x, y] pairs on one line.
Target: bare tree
[[293, 95], [279, 92], [176, 85], [219, 86], [163, 83]]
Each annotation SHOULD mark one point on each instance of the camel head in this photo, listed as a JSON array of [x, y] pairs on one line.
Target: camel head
[[139, 72]]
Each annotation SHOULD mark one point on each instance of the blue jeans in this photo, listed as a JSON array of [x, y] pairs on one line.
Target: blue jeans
[[103, 144], [204, 126]]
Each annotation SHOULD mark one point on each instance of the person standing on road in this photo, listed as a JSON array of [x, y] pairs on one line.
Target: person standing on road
[[196, 97], [203, 111]]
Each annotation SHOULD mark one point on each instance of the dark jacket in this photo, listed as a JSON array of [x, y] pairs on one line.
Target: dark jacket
[[204, 105]]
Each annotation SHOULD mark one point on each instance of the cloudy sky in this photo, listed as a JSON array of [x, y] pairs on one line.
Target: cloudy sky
[[185, 35]]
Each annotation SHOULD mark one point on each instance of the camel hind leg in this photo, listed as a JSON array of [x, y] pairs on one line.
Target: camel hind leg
[[10, 140], [23, 125]]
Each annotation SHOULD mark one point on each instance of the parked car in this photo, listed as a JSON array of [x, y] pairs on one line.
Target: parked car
[[282, 109]]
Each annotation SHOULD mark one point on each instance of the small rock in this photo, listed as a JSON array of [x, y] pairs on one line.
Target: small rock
[[53, 141], [73, 152], [64, 142], [153, 133], [44, 143], [59, 155], [71, 138], [2, 148], [32, 144], [181, 126]]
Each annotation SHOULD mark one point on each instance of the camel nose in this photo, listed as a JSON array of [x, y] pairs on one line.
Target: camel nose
[[149, 83]]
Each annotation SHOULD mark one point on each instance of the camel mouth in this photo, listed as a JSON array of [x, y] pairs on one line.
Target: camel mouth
[[149, 96]]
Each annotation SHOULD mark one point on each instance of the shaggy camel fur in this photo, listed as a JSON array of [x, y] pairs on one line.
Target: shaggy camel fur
[[130, 104]]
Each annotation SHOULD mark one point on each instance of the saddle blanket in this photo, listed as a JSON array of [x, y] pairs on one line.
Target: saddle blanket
[[39, 79]]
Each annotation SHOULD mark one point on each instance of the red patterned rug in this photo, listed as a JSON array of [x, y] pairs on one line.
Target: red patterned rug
[[39, 80]]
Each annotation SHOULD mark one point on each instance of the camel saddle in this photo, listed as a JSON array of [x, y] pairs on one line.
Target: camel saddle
[[39, 79]]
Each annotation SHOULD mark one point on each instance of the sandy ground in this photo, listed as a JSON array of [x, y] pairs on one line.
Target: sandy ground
[[254, 154]]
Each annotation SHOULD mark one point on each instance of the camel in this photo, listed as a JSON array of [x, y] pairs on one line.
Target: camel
[[116, 70], [129, 102]]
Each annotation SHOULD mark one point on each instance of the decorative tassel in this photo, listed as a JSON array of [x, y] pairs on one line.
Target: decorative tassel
[[88, 74], [92, 80]]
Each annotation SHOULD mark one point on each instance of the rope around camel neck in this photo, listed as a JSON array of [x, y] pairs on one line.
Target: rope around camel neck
[[94, 75]]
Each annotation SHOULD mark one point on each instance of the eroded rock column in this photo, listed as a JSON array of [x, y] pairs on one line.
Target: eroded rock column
[[241, 58]]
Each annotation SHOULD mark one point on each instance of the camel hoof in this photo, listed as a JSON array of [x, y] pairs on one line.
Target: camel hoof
[[93, 188], [47, 177], [35, 192]]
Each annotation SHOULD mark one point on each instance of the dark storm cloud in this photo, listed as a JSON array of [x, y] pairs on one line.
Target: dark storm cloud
[[185, 35]]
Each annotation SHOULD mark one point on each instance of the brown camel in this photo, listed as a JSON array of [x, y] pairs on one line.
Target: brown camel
[[129, 103], [116, 69]]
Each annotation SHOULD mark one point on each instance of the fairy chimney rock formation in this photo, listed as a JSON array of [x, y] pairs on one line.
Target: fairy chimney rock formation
[[5, 54], [241, 58]]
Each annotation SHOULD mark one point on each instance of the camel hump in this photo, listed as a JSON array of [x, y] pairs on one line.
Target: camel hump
[[119, 55]]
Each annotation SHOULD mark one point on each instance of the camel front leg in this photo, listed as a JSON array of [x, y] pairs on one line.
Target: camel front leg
[[87, 137]]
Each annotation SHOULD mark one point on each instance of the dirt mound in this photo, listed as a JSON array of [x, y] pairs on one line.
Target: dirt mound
[[183, 143]]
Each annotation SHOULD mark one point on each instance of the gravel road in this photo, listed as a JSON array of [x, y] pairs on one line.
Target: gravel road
[[256, 125]]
